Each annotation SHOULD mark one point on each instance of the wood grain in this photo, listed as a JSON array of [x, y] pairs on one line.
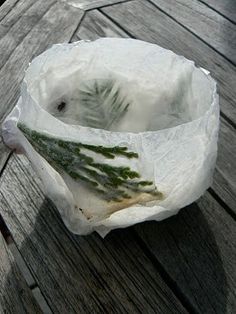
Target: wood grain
[[206, 23], [17, 25], [20, 263], [225, 173], [4, 153], [92, 4], [15, 295], [224, 183], [16, 12], [41, 24], [224, 7], [6, 7], [78, 274], [97, 25], [145, 22], [194, 252], [200, 273], [41, 300], [197, 248]]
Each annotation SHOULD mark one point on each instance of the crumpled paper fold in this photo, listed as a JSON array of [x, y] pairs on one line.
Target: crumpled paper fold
[[172, 125]]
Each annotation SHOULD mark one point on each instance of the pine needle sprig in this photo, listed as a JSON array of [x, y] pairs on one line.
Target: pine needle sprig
[[113, 183], [102, 103]]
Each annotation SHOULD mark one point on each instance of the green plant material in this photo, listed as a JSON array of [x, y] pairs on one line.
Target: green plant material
[[102, 103], [113, 183]]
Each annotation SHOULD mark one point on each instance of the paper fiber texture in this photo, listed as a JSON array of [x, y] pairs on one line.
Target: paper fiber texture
[[171, 124]]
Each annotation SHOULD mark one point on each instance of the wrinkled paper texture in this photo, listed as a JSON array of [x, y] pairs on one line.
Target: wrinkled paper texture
[[173, 126]]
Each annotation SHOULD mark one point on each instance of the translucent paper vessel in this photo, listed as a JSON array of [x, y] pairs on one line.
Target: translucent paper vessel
[[119, 130]]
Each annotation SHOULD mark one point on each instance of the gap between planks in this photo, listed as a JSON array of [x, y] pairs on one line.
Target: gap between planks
[[24, 35], [224, 70], [225, 130], [212, 21], [15, 295], [23, 268], [6, 8], [228, 14], [113, 21], [21, 262], [163, 274], [107, 5], [89, 261], [88, 5]]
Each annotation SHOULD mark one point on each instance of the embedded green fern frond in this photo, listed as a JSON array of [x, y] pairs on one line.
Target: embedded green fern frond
[[102, 103], [112, 183]]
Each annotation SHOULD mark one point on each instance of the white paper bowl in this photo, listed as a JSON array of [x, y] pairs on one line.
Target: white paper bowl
[[171, 96]]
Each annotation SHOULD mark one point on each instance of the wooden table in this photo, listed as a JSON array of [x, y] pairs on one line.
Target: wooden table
[[185, 264]]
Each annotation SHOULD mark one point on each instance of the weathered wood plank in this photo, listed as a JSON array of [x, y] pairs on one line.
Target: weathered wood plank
[[41, 300], [225, 7], [6, 7], [224, 183], [18, 11], [15, 295], [20, 263], [207, 289], [92, 4], [18, 23], [78, 274], [202, 242], [4, 153], [145, 22], [97, 25], [225, 173], [197, 248], [41, 25], [206, 23], [55, 23]]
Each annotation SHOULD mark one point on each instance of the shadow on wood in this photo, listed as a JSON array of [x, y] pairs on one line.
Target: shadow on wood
[[88, 274], [15, 295], [190, 259], [114, 274]]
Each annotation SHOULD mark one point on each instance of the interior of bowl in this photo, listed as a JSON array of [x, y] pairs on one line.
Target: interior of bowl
[[109, 89]]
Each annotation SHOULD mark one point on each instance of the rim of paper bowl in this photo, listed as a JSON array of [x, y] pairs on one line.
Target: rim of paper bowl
[[214, 93]]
